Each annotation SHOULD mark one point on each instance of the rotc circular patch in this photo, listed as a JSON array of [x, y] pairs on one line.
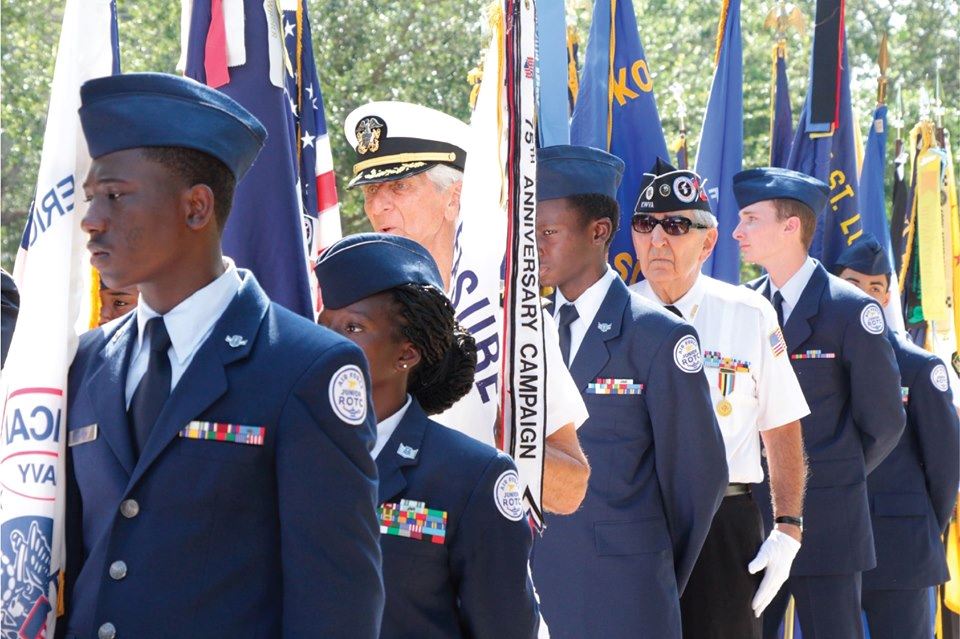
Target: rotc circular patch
[[871, 318], [687, 355], [507, 496], [348, 395], [938, 376], [684, 190]]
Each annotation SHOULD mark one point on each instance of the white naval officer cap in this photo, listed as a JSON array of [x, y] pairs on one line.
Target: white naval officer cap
[[394, 140]]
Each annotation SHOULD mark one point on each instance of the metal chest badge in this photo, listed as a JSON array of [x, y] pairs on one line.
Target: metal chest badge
[[368, 132]]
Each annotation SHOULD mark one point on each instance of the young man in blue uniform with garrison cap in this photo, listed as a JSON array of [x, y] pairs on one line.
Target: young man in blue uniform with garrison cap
[[220, 482], [617, 566], [913, 491], [835, 336]]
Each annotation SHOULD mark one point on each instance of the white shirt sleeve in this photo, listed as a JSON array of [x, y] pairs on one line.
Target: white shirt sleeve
[[564, 402], [778, 391]]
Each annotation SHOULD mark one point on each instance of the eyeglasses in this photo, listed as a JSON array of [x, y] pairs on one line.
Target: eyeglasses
[[673, 225]]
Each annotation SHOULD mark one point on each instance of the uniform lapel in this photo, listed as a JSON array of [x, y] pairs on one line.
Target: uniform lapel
[[593, 353], [106, 388], [390, 463], [799, 325], [205, 380]]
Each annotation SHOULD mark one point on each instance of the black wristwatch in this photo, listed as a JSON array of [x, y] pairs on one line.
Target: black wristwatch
[[793, 521]]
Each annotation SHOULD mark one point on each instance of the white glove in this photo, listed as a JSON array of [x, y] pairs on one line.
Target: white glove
[[776, 556]]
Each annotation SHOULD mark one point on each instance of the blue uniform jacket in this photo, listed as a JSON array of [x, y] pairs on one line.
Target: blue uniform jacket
[[849, 378], [913, 491], [617, 566], [222, 539], [476, 582]]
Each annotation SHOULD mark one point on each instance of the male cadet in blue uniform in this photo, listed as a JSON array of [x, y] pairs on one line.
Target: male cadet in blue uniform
[[835, 336], [913, 491], [755, 394], [221, 482], [617, 566]]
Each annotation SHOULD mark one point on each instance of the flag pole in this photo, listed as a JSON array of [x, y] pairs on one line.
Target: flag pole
[[883, 61]]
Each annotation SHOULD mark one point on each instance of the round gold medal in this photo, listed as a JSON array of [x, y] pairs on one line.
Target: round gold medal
[[724, 407]]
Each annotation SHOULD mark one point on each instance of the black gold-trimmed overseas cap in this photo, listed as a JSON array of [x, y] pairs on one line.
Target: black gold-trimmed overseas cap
[[138, 110], [395, 140], [667, 189]]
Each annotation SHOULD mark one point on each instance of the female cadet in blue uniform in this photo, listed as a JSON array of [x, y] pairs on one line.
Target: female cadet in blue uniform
[[453, 532]]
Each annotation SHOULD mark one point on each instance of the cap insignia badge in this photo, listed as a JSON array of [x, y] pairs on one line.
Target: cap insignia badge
[[368, 134]]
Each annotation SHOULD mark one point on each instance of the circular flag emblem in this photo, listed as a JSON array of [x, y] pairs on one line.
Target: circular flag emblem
[[938, 376], [348, 395], [507, 496], [687, 355], [684, 189], [871, 318]]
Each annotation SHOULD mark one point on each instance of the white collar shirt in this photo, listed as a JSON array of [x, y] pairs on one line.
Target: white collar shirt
[[587, 305], [188, 324], [793, 288], [387, 426], [752, 385]]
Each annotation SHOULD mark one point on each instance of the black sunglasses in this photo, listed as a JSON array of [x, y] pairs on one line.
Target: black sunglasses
[[673, 225]]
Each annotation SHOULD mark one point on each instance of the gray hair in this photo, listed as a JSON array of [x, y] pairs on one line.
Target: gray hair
[[706, 218], [444, 176]]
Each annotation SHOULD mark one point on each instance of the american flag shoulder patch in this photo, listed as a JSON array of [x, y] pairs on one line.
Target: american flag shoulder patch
[[905, 394], [777, 345], [412, 519], [223, 432]]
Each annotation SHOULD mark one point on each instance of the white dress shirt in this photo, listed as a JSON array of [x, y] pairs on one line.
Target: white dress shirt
[[793, 289], [743, 349], [188, 324], [588, 305], [387, 426]]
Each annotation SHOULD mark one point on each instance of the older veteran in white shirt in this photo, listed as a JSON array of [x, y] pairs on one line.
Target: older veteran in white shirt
[[755, 394]]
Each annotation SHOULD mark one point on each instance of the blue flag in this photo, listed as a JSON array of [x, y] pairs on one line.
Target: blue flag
[[872, 196], [781, 123], [720, 152], [264, 232], [833, 159], [621, 119], [553, 110]]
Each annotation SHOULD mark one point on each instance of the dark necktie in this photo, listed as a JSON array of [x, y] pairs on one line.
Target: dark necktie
[[673, 309], [778, 307], [568, 313], [154, 387]]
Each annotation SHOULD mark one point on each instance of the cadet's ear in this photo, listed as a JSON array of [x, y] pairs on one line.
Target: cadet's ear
[[409, 357], [602, 230], [198, 202]]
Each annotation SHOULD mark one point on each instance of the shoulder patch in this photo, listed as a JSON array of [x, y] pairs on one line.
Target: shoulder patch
[[348, 394], [507, 495], [939, 379], [871, 318], [687, 355]]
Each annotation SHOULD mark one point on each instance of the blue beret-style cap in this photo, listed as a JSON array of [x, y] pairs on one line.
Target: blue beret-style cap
[[865, 256], [770, 183], [136, 110], [365, 264], [564, 170]]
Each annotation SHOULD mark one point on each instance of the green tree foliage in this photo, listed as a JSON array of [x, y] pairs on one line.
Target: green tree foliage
[[421, 51]]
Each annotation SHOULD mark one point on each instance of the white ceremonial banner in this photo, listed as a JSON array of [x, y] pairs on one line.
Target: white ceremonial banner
[[53, 275]]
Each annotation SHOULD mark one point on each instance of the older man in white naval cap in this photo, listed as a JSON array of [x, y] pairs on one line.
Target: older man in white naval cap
[[409, 163]]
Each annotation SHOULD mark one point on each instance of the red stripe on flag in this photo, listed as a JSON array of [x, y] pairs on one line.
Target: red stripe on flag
[[326, 191], [215, 50]]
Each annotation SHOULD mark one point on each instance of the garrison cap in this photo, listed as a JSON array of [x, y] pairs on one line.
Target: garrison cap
[[365, 264], [395, 140], [865, 256], [136, 110], [564, 170], [666, 189], [772, 183]]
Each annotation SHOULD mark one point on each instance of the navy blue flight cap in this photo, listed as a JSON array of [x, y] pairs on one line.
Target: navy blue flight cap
[[365, 264], [865, 256], [666, 189], [564, 170], [136, 110], [773, 183]]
